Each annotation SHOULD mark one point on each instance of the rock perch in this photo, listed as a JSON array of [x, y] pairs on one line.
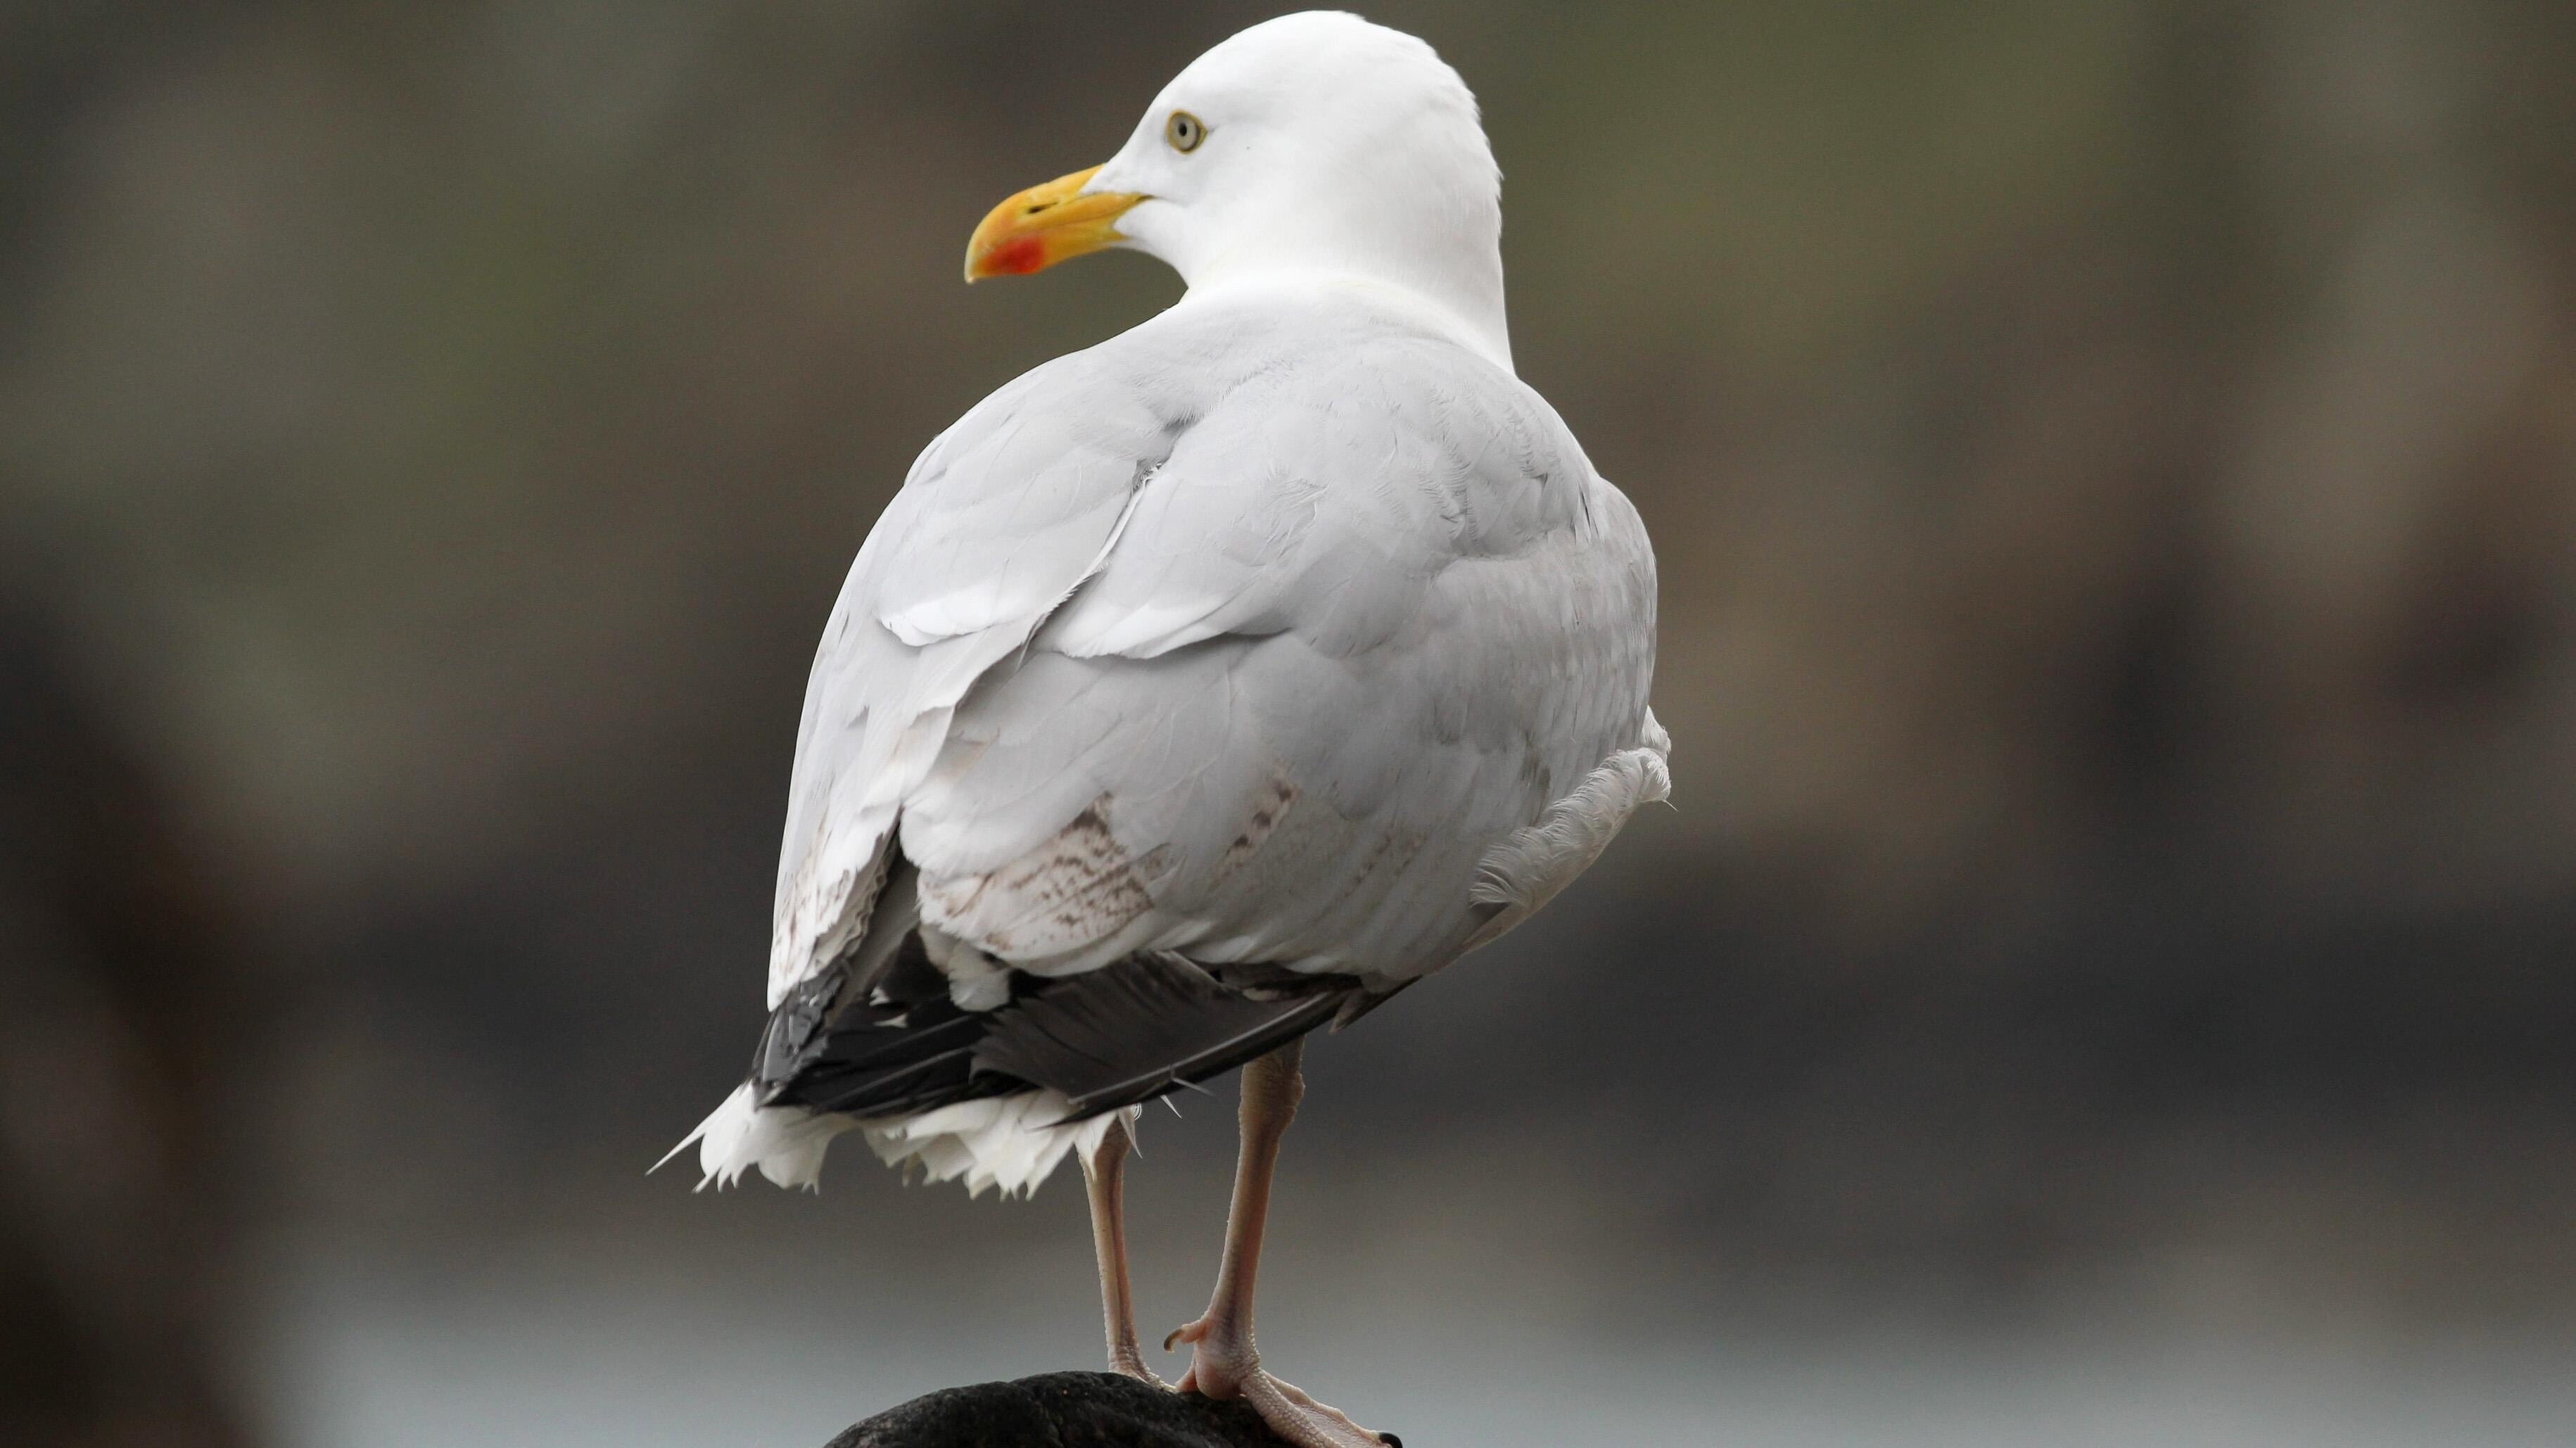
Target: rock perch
[[1065, 1410]]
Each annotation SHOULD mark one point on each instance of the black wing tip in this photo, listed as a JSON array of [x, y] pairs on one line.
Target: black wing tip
[[877, 1033]]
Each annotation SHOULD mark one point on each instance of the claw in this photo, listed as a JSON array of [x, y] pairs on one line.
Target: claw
[[1294, 1415]]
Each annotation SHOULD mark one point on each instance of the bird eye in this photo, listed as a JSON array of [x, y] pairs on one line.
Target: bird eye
[[1184, 131]]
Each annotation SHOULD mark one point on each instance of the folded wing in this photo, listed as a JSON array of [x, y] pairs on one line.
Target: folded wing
[[1372, 614]]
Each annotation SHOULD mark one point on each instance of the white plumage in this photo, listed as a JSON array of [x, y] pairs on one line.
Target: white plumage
[[1210, 684], [1288, 630]]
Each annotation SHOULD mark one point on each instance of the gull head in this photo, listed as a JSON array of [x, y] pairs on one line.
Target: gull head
[[1315, 145]]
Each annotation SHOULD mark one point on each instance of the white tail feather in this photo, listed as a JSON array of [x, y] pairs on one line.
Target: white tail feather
[[1009, 1142]]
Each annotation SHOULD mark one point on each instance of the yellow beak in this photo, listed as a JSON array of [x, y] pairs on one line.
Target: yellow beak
[[1044, 225]]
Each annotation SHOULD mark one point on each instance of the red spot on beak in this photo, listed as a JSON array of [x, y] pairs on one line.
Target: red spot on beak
[[1017, 257]]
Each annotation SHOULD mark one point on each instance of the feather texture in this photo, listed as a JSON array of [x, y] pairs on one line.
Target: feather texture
[[1282, 636]]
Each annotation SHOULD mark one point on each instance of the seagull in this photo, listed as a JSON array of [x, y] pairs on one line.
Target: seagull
[[1209, 685]]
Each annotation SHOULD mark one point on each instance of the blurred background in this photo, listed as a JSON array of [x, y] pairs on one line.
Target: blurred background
[[2109, 977]]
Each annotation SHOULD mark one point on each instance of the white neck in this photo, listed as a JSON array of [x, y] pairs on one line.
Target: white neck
[[1475, 323], [1463, 297], [1432, 238]]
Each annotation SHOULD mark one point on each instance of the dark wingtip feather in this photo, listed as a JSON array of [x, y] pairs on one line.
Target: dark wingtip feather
[[877, 1033]]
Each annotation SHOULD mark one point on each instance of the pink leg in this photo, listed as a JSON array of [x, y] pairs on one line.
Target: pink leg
[[1105, 1172], [1226, 1365]]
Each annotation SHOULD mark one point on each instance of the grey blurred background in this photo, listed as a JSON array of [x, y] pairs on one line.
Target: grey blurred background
[[2107, 979]]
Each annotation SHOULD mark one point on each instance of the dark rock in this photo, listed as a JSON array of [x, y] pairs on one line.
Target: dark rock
[[1063, 1410]]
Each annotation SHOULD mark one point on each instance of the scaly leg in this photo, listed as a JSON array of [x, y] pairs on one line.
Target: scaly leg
[[1225, 1364], [1105, 1172]]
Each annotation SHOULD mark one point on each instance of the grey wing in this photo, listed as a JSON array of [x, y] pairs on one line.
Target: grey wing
[[1002, 519], [1362, 680]]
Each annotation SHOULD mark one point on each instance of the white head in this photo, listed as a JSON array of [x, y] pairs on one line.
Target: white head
[[1315, 144]]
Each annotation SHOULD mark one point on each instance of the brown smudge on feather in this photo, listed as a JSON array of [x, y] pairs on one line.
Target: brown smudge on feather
[[1076, 888], [1268, 808]]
